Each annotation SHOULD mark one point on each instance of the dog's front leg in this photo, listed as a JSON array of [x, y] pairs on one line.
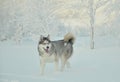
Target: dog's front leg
[[42, 66], [56, 64]]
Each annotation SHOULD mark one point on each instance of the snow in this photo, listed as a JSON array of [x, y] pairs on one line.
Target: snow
[[22, 21], [20, 62]]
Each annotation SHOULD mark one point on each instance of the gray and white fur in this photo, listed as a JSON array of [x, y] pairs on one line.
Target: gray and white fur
[[53, 51]]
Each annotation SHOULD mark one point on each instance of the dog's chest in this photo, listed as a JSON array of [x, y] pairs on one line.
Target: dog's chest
[[49, 59]]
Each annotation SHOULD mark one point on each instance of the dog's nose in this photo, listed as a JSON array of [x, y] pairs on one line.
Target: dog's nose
[[47, 47]]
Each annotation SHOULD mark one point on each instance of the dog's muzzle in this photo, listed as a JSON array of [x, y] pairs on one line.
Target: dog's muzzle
[[47, 49]]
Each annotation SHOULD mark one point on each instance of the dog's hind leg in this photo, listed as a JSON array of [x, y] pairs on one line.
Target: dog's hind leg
[[63, 62]]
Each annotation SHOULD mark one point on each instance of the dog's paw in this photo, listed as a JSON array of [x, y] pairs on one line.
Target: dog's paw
[[61, 70], [42, 74], [57, 73]]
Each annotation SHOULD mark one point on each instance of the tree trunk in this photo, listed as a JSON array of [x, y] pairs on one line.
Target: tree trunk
[[92, 23], [92, 37]]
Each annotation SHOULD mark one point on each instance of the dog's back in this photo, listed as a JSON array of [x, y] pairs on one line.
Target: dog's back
[[59, 46], [65, 46]]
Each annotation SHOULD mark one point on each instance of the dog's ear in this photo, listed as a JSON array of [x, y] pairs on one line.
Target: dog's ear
[[48, 36], [41, 37]]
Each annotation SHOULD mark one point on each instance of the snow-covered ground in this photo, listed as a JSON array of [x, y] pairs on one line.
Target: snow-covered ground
[[20, 63]]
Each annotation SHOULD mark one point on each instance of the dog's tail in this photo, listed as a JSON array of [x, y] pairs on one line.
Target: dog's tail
[[69, 37]]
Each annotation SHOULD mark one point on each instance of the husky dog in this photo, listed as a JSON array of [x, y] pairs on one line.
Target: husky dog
[[53, 51]]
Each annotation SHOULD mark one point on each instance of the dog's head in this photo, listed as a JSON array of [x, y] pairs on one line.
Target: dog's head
[[45, 43]]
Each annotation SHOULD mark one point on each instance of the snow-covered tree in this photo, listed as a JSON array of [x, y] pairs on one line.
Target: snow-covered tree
[[93, 7], [18, 34], [113, 17], [56, 17]]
